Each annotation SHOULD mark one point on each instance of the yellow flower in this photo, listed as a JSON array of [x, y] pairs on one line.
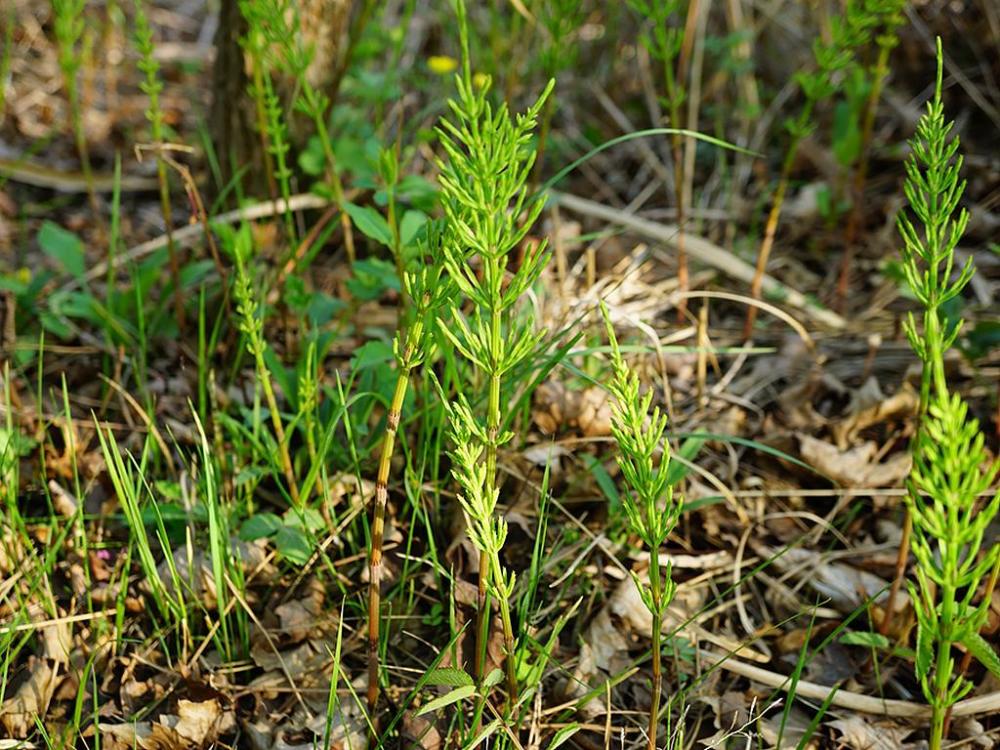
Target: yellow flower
[[480, 79], [441, 64], [24, 274]]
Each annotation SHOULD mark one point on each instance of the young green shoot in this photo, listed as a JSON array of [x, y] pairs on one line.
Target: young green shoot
[[847, 33], [252, 326], [151, 87], [650, 506], [666, 43], [315, 104], [70, 24], [484, 176], [951, 468], [263, 17], [886, 17]]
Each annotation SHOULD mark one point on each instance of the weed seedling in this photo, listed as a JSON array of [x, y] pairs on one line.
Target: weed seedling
[[951, 468], [650, 506], [484, 176]]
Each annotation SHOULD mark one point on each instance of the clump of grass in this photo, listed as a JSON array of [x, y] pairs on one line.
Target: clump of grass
[[650, 506], [484, 192], [151, 87], [951, 467]]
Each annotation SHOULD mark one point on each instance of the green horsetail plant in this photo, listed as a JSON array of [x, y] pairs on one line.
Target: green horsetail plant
[[847, 33], [886, 18], [277, 138], [429, 289], [484, 177], [251, 324], [266, 43], [667, 43], [70, 23], [315, 104], [933, 190], [151, 87], [561, 20], [650, 506], [951, 468], [263, 43]]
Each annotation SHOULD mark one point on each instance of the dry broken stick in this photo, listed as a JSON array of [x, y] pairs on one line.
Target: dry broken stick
[[704, 251]]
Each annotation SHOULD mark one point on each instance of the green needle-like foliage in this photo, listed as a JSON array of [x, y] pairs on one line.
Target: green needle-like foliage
[[650, 506], [251, 325], [933, 191], [484, 192], [950, 464], [950, 473], [832, 56]]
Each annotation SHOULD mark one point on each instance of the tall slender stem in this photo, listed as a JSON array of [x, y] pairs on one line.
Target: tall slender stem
[[378, 526], [167, 212], [880, 71], [279, 429], [673, 96], [770, 230], [656, 655], [261, 112]]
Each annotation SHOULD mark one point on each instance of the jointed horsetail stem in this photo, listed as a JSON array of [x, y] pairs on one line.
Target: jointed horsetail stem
[[378, 526], [407, 362]]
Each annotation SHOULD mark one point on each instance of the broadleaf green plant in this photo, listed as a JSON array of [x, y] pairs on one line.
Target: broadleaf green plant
[[650, 507], [484, 192], [951, 468]]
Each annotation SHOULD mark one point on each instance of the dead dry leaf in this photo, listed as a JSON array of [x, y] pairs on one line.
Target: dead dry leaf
[[865, 733], [847, 587], [196, 726], [792, 731], [194, 568], [31, 700], [870, 407], [854, 467]]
